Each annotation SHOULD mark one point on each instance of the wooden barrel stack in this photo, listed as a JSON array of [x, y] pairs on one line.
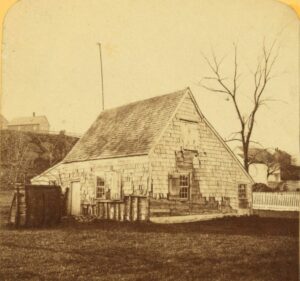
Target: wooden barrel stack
[[133, 208], [36, 205]]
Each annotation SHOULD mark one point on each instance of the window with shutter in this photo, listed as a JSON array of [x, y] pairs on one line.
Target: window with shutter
[[174, 185], [179, 186]]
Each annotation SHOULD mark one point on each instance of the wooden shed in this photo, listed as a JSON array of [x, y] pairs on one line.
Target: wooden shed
[[162, 148]]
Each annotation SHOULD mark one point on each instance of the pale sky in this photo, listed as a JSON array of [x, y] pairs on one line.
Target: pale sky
[[51, 60]]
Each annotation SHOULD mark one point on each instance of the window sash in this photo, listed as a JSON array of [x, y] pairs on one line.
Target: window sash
[[242, 191], [100, 188], [100, 192], [184, 187], [184, 193]]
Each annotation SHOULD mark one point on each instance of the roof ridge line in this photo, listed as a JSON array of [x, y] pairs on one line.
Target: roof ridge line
[[127, 116], [142, 100]]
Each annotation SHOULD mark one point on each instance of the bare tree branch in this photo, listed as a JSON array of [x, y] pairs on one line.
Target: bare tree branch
[[261, 77]]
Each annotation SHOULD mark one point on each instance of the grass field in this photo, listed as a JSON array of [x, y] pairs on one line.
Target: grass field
[[227, 249]]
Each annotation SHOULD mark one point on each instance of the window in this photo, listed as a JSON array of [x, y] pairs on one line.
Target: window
[[242, 191], [184, 187], [100, 188], [189, 135], [179, 186], [242, 195]]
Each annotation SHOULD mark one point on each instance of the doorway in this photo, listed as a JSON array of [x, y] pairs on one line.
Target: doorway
[[75, 198]]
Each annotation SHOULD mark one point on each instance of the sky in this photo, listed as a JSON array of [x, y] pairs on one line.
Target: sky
[[50, 59]]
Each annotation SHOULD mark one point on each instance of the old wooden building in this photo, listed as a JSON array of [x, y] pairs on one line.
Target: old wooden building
[[162, 148]]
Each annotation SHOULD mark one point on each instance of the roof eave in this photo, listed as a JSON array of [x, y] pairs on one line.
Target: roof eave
[[106, 157]]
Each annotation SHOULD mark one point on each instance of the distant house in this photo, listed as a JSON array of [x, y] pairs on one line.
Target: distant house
[[162, 148], [273, 167], [259, 172], [32, 123], [291, 177], [3, 122]]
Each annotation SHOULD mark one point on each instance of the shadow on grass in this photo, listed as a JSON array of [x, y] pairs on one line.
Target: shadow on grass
[[252, 225]]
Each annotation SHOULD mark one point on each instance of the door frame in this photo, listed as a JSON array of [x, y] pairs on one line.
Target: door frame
[[71, 196]]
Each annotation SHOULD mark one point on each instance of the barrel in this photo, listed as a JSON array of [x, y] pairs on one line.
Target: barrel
[[105, 210], [127, 209], [116, 211], [134, 208], [100, 210], [121, 211], [111, 211], [143, 208]]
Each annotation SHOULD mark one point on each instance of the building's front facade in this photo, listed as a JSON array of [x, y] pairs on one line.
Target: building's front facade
[[162, 148], [30, 124]]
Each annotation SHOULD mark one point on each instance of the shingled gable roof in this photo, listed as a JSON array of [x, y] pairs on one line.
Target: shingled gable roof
[[126, 130]]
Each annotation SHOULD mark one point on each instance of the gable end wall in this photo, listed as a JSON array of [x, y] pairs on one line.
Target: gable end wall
[[218, 172]]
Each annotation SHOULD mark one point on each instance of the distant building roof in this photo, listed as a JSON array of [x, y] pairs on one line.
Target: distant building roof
[[31, 120], [126, 130]]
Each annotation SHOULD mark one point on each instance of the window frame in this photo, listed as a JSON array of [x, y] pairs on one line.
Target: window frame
[[242, 194], [184, 186], [189, 128], [103, 193]]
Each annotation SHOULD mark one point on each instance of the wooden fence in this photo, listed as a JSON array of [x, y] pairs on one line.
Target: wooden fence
[[276, 201]]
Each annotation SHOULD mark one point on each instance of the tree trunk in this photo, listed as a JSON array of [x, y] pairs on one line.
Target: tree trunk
[[246, 160]]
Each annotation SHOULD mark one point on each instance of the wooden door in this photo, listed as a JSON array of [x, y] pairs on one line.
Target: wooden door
[[75, 198]]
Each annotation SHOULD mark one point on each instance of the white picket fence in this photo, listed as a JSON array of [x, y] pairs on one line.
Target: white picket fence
[[276, 201]]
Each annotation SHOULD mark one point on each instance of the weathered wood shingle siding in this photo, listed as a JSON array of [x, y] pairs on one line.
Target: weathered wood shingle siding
[[218, 173], [133, 170]]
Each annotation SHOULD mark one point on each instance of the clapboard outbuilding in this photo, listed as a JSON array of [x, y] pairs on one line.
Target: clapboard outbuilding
[[162, 149]]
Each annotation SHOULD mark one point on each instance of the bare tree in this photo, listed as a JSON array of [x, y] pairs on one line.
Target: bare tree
[[218, 83], [14, 151]]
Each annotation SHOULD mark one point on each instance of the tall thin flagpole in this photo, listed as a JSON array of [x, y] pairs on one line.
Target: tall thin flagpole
[[101, 68]]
